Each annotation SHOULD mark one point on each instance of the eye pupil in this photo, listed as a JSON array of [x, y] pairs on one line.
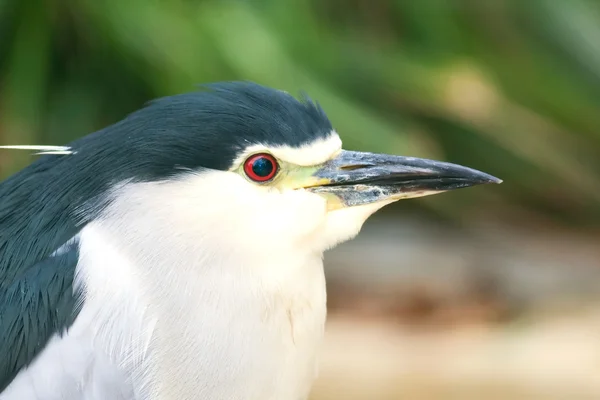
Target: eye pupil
[[262, 167]]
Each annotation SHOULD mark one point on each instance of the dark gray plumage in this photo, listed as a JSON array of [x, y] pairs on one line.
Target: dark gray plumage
[[38, 304]]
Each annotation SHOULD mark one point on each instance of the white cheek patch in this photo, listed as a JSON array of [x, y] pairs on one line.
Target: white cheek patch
[[313, 153], [225, 207]]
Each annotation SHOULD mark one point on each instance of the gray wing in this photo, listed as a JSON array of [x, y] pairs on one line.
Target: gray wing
[[40, 358], [37, 305]]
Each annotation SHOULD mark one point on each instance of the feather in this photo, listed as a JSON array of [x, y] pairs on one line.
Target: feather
[[37, 305], [42, 149]]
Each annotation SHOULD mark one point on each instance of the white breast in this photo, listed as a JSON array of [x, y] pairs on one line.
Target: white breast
[[205, 335]]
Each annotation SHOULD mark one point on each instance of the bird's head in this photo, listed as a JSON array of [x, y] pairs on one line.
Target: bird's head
[[241, 164]]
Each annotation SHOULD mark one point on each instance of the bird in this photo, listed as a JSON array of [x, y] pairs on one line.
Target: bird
[[178, 253]]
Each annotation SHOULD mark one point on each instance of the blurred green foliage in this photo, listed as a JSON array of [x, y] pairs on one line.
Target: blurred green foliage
[[511, 87]]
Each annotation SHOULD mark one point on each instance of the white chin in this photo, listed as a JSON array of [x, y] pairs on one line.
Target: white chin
[[344, 224]]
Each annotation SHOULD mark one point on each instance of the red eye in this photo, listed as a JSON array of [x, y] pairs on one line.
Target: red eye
[[261, 167]]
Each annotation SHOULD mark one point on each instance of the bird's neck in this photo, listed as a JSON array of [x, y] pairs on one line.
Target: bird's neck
[[185, 312]]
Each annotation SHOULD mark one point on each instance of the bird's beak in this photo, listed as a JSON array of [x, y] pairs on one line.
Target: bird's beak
[[356, 178]]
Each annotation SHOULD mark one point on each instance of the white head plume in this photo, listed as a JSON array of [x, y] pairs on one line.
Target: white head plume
[[41, 149]]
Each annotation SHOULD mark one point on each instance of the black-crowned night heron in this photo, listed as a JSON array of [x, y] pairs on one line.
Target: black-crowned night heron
[[178, 253]]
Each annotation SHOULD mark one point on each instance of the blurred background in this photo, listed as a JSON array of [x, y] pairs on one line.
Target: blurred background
[[491, 292]]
